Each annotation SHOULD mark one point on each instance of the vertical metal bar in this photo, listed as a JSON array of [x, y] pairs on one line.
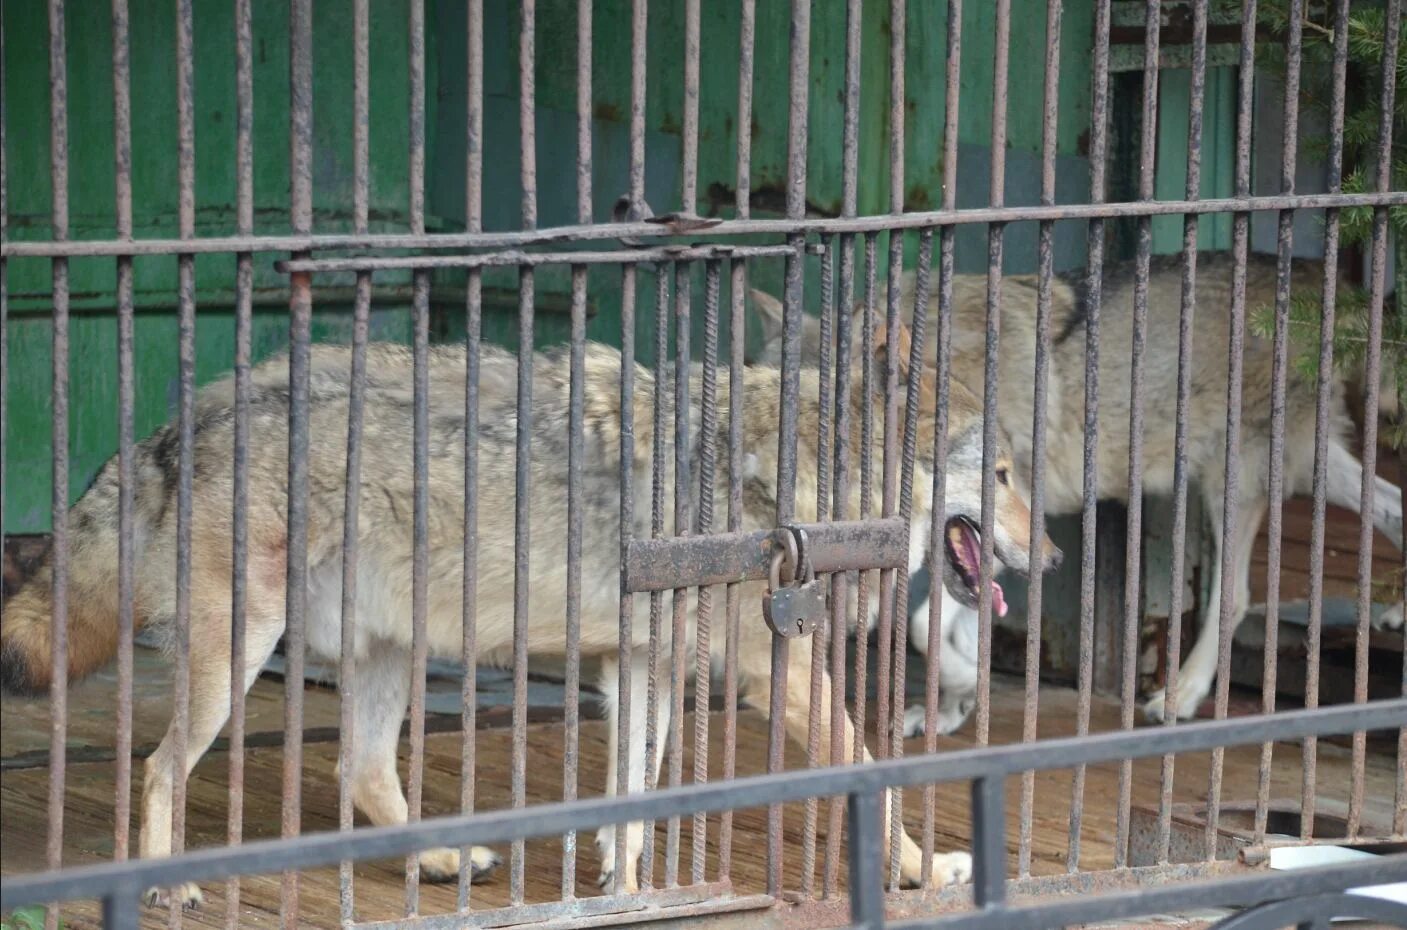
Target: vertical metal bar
[[844, 336], [1133, 548], [625, 649], [1094, 287], [58, 683], [572, 685], [790, 396], [122, 170], [989, 398], [1377, 289], [819, 648], [180, 716], [886, 656], [120, 911], [300, 111], [736, 333], [473, 312], [361, 312], [689, 156], [527, 148], [683, 507], [866, 812], [708, 436], [1041, 374], [244, 294], [420, 454], [639, 22], [953, 89], [866, 580], [989, 842], [652, 734], [917, 366], [891, 648]]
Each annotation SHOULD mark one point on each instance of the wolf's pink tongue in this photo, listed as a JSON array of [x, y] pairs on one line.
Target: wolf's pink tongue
[[998, 600]]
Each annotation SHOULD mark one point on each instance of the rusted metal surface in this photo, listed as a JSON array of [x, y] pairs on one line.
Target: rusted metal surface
[[837, 546]]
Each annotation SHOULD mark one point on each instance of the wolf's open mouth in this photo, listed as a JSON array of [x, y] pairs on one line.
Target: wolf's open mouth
[[963, 545]]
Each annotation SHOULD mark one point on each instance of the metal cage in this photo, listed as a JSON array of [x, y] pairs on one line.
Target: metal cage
[[854, 490]]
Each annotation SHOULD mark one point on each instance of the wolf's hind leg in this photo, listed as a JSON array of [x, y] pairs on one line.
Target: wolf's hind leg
[[209, 708], [635, 832], [382, 693]]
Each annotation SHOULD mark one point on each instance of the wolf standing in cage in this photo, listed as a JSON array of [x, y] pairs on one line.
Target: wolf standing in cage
[[1206, 426], [383, 608]]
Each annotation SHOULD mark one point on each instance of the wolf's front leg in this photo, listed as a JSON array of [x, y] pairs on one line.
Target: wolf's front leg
[[635, 832], [382, 689]]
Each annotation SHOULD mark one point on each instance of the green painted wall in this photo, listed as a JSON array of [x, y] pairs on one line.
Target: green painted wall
[[93, 428]]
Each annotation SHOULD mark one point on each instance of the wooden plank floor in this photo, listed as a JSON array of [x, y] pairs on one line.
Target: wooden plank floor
[[88, 833]]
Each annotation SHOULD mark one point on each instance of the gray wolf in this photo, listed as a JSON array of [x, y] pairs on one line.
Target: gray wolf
[[383, 599], [1206, 423]]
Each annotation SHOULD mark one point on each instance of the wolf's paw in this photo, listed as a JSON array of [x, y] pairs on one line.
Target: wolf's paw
[[442, 865], [950, 718], [948, 869], [1390, 619], [186, 895], [1188, 699]]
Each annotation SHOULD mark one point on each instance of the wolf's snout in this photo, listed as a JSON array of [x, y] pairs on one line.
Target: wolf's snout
[[1053, 555]]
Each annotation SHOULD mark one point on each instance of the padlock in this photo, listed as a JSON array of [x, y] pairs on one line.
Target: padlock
[[795, 609]]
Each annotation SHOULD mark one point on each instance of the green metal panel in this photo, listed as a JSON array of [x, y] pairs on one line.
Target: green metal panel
[[93, 436], [1218, 155]]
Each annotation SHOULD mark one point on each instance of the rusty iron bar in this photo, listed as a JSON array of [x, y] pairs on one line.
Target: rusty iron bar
[[703, 633], [300, 303], [420, 452], [361, 313], [890, 656], [843, 334], [181, 678], [571, 712], [1050, 114], [239, 569], [1133, 530], [1377, 290], [805, 226], [1094, 284], [626, 617], [952, 90], [679, 601], [522, 581], [820, 648], [865, 581], [652, 735], [736, 333], [518, 259], [473, 312], [58, 648], [122, 170]]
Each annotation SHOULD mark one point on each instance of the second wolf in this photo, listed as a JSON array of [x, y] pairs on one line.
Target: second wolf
[[1206, 417]]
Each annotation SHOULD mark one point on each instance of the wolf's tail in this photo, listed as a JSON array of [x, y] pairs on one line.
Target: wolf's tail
[[27, 630]]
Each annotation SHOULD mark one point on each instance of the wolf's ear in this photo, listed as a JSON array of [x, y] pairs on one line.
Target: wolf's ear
[[901, 344], [769, 312]]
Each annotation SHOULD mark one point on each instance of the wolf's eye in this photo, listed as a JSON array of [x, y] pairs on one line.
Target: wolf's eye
[[1003, 477]]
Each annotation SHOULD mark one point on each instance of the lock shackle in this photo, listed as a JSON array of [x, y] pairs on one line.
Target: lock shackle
[[790, 552]]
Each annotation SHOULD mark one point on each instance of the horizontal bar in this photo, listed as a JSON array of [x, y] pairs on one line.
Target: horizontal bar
[[608, 231], [517, 258], [614, 905], [725, 558], [1231, 891], [313, 850]]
